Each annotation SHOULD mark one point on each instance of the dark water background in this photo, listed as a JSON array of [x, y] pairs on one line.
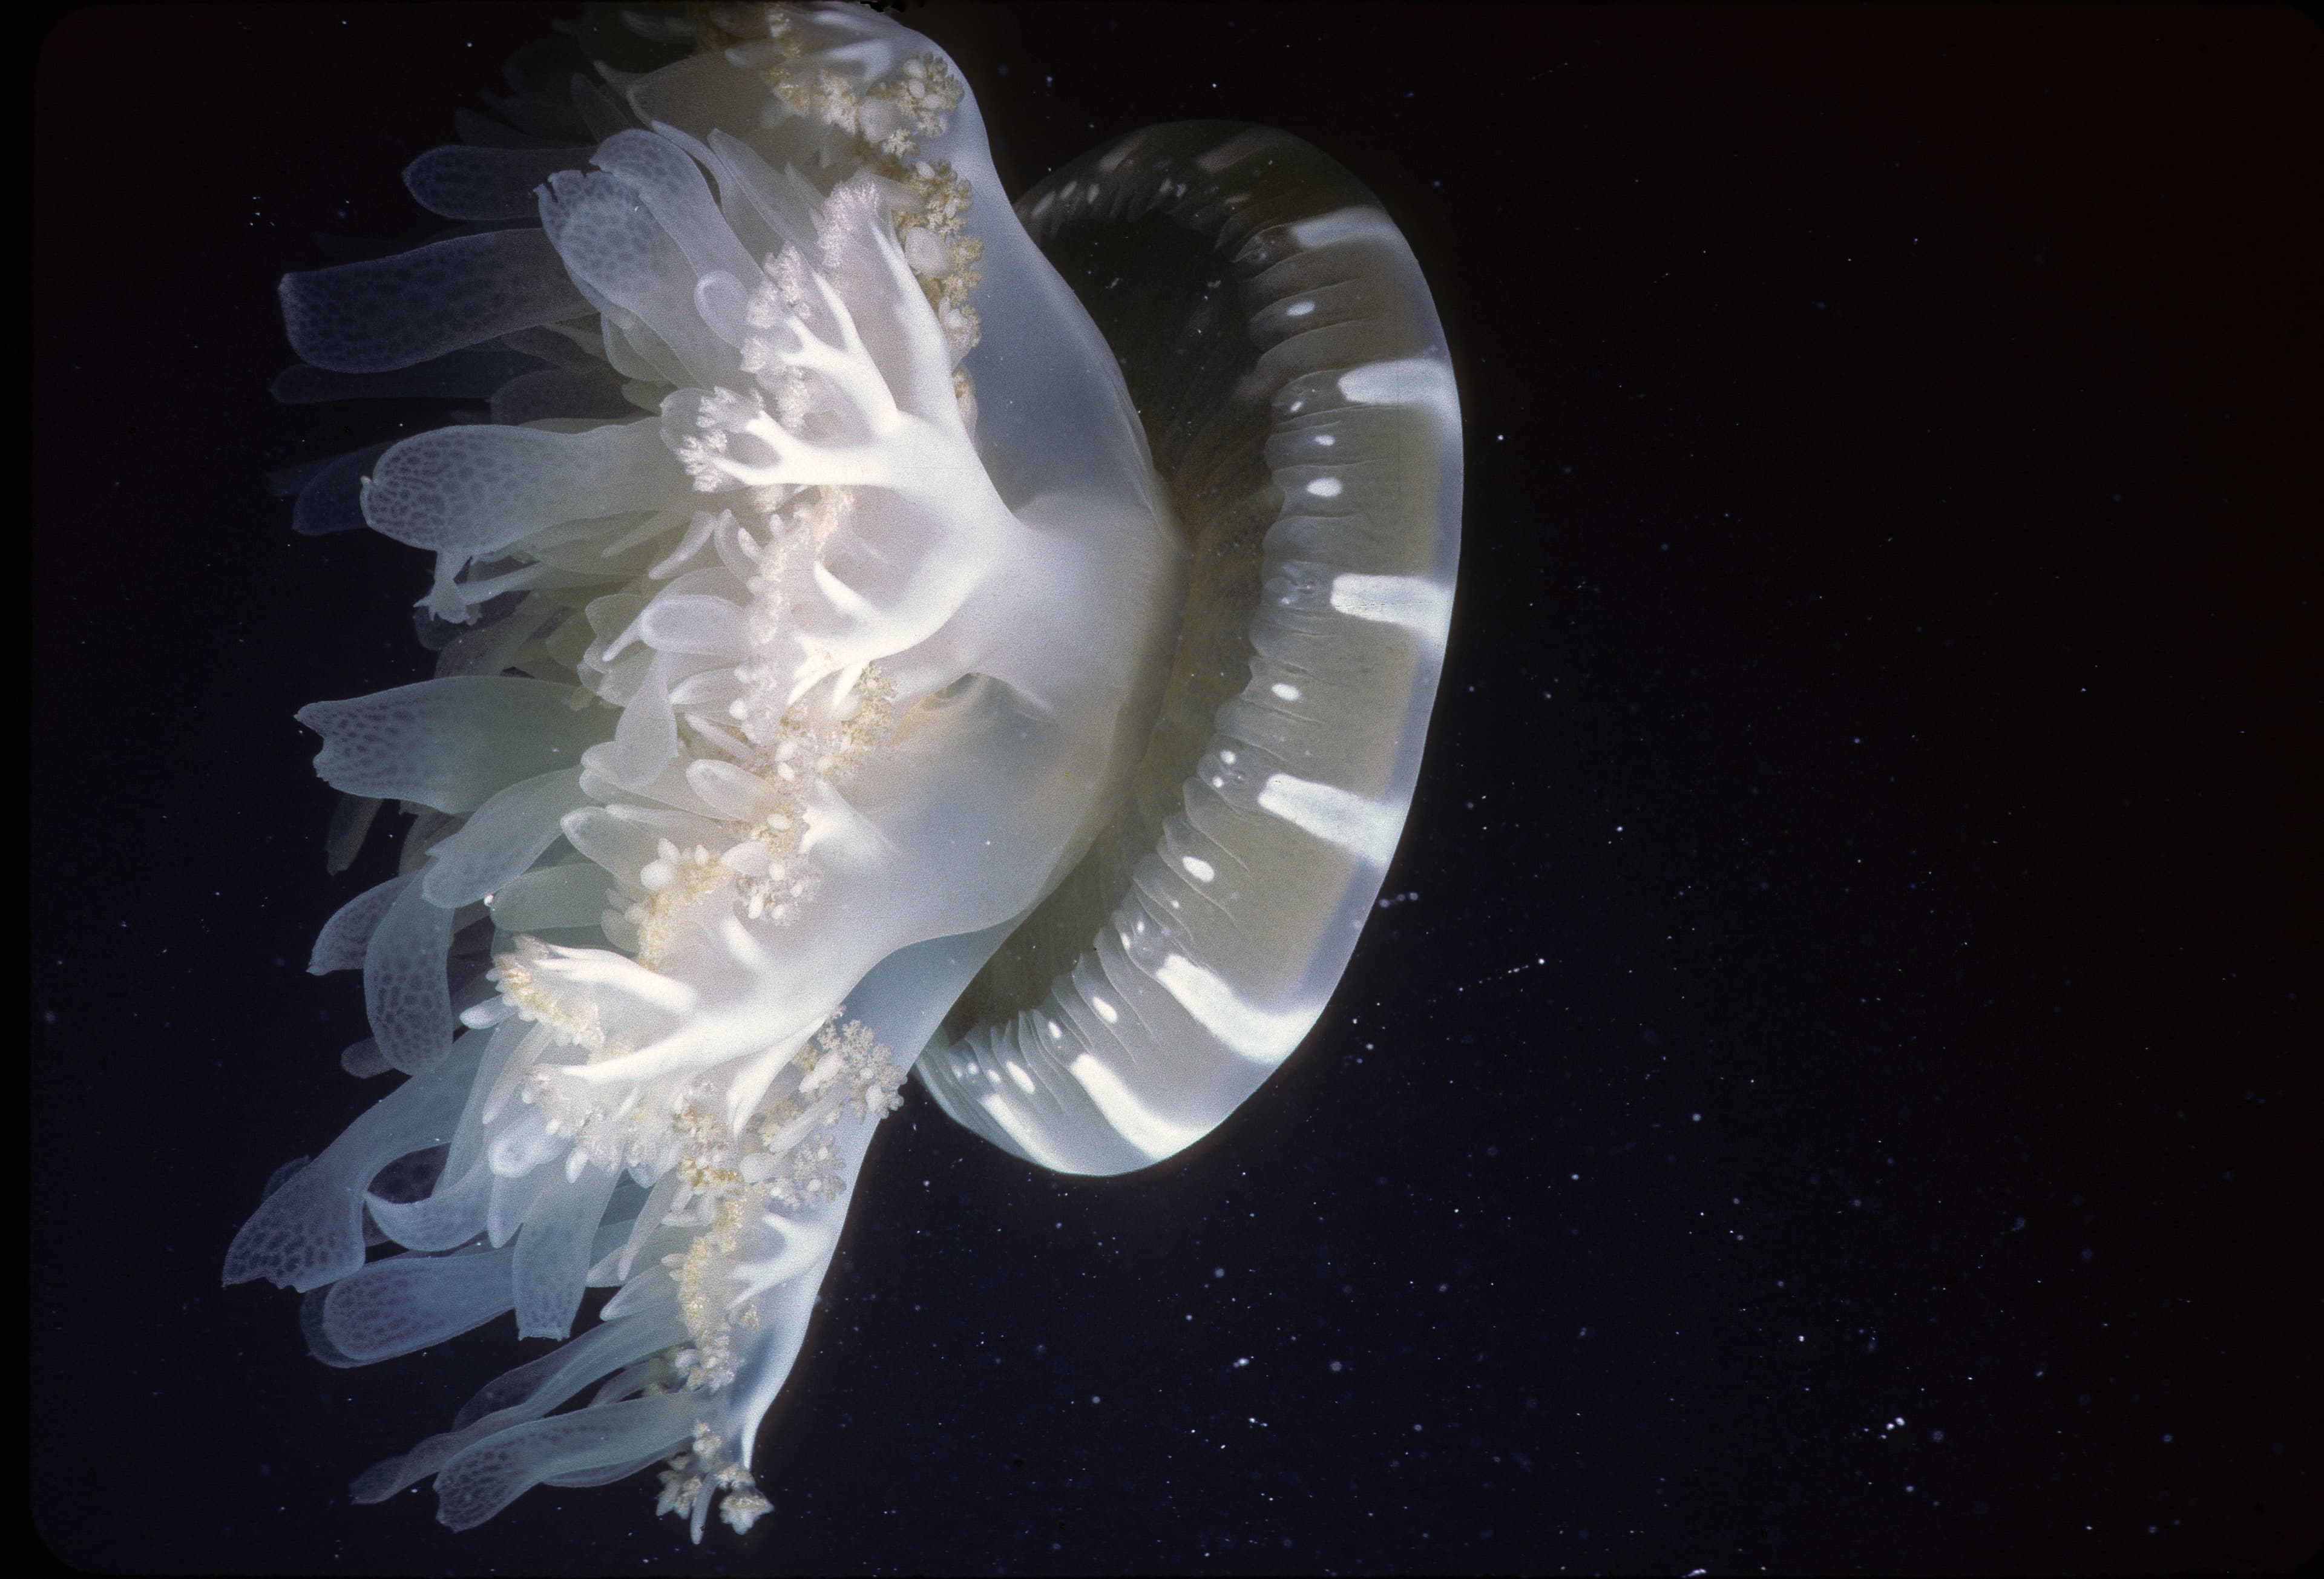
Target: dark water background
[[1837, 1087]]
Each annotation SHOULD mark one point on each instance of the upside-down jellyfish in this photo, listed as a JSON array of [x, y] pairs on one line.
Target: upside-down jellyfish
[[875, 630]]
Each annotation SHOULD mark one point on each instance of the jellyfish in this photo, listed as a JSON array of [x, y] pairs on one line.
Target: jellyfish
[[878, 632]]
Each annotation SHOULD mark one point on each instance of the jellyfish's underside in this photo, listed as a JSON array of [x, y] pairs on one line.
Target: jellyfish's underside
[[1152, 742]]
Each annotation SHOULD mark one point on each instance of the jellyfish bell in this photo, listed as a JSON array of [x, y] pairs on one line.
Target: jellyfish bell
[[1290, 372], [878, 630]]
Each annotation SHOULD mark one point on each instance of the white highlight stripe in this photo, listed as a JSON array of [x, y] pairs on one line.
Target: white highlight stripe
[[1139, 1125], [1411, 381], [1422, 607], [1019, 1132], [1233, 150], [1257, 1034], [1365, 828], [1357, 223]]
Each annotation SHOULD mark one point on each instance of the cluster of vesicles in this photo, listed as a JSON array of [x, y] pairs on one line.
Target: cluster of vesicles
[[795, 596]]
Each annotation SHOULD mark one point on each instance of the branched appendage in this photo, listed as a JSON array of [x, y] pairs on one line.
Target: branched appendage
[[735, 1188], [753, 1197], [706, 1470], [851, 386], [834, 420], [824, 420]]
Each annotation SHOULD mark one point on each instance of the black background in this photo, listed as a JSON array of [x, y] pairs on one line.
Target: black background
[[1839, 1088]]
